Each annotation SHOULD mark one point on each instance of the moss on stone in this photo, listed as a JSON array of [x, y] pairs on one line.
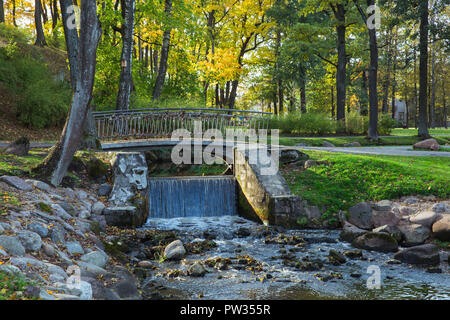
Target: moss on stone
[[45, 207]]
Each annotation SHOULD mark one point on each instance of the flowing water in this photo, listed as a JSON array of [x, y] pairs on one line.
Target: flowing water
[[237, 237]]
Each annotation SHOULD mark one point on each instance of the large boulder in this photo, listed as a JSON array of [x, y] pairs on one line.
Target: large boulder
[[96, 258], [360, 215], [413, 234], [441, 228], [430, 144], [30, 240], [125, 217], [17, 183], [383, 205], [425, 218], [350, 232], [12, 245], [373, 241], [175, 250], [381, 218], [391, 230], [423, 254], [20, 147]]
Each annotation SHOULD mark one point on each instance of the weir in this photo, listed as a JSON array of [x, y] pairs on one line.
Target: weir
[[175, 197]]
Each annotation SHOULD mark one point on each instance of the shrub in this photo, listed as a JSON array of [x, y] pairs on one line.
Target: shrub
[[356, 124], [386, 124]]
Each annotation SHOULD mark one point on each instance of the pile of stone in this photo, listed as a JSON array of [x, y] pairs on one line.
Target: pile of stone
[[411, 222]]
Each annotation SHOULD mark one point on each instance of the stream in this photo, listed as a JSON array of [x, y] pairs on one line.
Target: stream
[[252, 261]]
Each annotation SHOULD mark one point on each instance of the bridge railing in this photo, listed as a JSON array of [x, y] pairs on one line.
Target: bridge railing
[[160, 123]]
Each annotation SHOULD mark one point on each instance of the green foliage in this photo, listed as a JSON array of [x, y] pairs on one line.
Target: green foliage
[[307, 123], [13, 34], [13, 286], [350, 179], [45, 207], [386, 124], [40, 100]]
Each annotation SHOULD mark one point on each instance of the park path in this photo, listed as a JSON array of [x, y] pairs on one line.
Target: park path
[[388, 151]]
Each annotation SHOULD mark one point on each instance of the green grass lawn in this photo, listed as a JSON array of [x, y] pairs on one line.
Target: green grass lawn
[[350, 179], [413, 132], [15, 165], [341, 141]]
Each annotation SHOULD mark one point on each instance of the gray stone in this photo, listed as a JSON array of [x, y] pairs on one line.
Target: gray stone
[[175, 250], [39, 228], [350, 232], [74, 247], [413, 234], [84, 214], [196, 270], [57, 234], [441, 207], [360, 215], [423, 254], [59, 211], [20, 147], [44, 295], [352, 144], [96, 270], [145, 264], [9, 269], [392, 230], [126, 290], [17, 183], [425, 218], [381, 218], [336, 257], [69, 208], [81, 194], [372, 241], [63, 256], [12, 245], [48, 250], [30, 240], [383, 205], [411, 200], [96, 258], [39, 184], [441, 228], [97, 208], [328, 144], [104, 190], [125, 217], [54, 269], [24, 263], [430, 144]]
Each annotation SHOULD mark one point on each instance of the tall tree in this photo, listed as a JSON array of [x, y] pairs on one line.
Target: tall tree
[[164, 53], [40, 37], [126, 59], [55, 165], [423, 69], [2, 12]]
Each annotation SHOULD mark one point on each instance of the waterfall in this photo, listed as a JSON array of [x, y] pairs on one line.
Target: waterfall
[[192, 197]]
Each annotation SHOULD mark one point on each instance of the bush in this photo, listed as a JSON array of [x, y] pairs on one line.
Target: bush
[[306, 123], [41, 101], [356, 124], [386, 124]]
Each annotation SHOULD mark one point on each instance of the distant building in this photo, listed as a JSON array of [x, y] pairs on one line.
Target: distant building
[[400, 111]]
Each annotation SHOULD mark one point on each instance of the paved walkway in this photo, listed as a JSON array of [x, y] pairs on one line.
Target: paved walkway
[[390, 151]]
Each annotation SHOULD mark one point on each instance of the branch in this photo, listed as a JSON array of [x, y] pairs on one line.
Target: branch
[[326, 60]]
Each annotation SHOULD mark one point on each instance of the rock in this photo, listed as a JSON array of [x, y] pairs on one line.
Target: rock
[[393, 261], [423, 254], [391, 230], [126, 290], [97, 208], [441, 207], [430, 144], [81, 194], [145, 264], [39, 228], [30, 240], [328, 144], [242, 233], [98, 224], [90, 268], [360, 215], [12, 245], [310, 164], [413, 234], [350, 232], [96, 258], [353, 144], [353, 254], [9, 269], [49, 250], [411, 200], [104, 190], [381, 218], [125, 217], [441, 228], [196, 270], [292, 155], [336, 258], [434, 270], [74, 247], [44, 295], [25, 263], [17, 183], [32, 292], [57, 234], [70, 209], [39, 185], [130, 176], [98, 290], [84, 214], [425, 218], [383, 205], [56, 270], [20, 147], [59, 211], [96, 168], [381, 242], [175, 250]]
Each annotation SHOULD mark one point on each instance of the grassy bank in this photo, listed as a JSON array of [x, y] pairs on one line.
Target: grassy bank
[[413, 132], [350, 179]]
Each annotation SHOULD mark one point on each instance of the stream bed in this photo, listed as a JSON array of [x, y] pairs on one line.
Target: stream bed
[[252, 261]]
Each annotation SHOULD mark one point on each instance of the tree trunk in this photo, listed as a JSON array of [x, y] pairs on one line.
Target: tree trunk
[[164, 54], [126, 81], [55, 14], [416, 100], [56, 163], [342, 63], [433, 86], [423, 70], [364, 110], [14, 12], [2, 12], [385, 107], [40, 37], [332, 103]]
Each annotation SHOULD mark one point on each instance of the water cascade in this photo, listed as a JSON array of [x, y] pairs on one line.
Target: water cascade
[[176, 197]]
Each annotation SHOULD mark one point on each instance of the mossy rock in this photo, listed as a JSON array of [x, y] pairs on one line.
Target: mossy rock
[[376, 241], [97, 168], [45, 207]]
